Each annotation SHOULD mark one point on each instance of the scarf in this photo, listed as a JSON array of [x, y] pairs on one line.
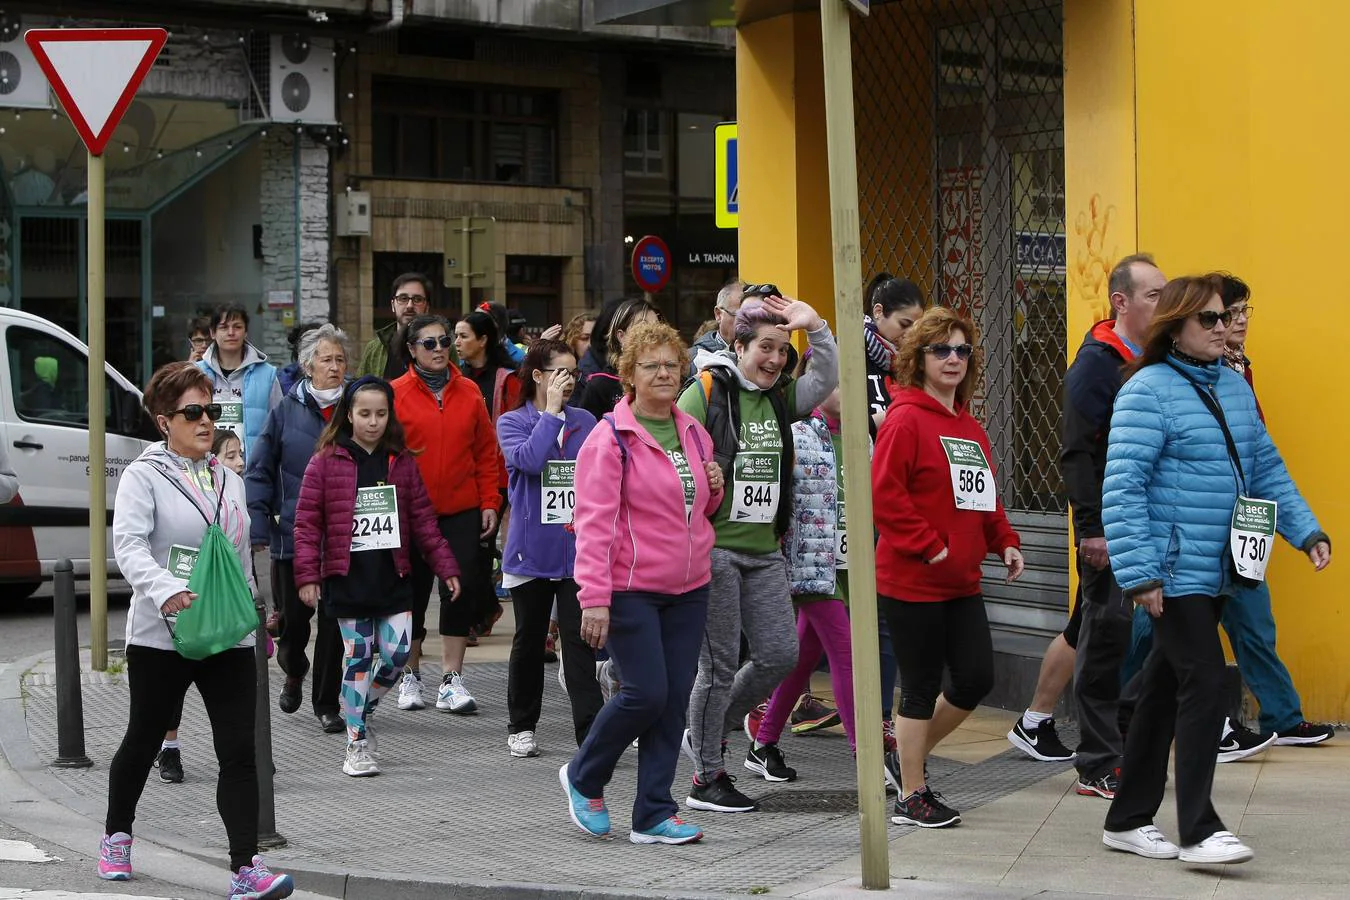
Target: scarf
[[1191, 360], [436, 381], [880, 352], [324, 398], [1236, 359]]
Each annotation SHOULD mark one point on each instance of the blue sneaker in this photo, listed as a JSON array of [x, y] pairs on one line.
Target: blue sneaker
[[590, 815], [672, 831]]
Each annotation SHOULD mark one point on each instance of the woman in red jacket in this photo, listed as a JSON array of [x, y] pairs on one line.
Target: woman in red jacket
[[938, 513], [362, 504]]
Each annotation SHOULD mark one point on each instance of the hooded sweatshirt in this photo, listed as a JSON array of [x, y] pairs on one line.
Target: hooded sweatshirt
[[760, 433], [914, 505], [165, 501], [254, 385]]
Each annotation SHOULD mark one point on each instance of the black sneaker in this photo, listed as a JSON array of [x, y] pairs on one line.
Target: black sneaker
[[767, 762], [719, 795], [890, 763], [1305, 734], [170, 765], [925, 808], [1041, 742], [1240, 743], [1104, 786]]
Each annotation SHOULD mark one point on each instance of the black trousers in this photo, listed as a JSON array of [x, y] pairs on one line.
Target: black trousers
[[228, 685], [294, 641], [1103, 642], [476, 597], [532, 603], [930, 638], [1182, 697]]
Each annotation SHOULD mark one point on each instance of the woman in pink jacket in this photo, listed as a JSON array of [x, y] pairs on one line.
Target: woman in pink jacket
[[643, 567], [362, 506]]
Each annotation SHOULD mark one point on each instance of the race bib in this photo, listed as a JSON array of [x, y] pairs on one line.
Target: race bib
[[972, 478], [1252, 536], [182, 560], [232, 417], [375, 524], [677, 459], [840, 536], [558, 495], [754, 495]]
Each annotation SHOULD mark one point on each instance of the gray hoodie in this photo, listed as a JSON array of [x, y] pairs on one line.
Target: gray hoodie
[[166, 500], [820, 378]]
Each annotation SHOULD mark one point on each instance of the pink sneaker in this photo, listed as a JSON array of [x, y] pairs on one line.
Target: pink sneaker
[[257, 882], [114, 857]]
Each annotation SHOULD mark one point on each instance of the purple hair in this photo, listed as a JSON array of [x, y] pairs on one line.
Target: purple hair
[[751, 316]]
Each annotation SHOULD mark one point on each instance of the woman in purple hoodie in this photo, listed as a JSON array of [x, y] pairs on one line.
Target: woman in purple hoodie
[[540, 440]]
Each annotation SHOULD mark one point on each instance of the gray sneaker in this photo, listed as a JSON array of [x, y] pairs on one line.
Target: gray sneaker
[[359, 762]]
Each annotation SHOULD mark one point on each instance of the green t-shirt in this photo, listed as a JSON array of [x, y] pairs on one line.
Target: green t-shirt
[[663, 430], [744, 522]]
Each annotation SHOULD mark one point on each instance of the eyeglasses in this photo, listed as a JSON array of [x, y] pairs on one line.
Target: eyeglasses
[[760, 290], [651, 368], [431, 343], [409, 299], [572, 372], [1208, 318], [1243, 312], [199, 341], [942, 351], [194, 411]]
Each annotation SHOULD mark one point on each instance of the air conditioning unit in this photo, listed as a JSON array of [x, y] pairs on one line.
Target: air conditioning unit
[[352, 216], [295, 76], [22, 84]]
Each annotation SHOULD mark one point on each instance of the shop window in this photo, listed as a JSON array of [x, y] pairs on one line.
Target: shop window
[[646, 139], [534, 289], [432, 130]]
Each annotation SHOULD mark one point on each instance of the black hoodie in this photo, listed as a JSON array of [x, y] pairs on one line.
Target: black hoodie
[[1090, 388]]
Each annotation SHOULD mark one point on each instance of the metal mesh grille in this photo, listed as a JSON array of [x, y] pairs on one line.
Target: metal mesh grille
[[960, 126]]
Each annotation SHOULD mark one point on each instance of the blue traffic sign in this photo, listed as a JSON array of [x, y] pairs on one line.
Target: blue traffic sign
[[726, 176]]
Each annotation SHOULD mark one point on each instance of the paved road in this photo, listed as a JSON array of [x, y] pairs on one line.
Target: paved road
[[26, 625]]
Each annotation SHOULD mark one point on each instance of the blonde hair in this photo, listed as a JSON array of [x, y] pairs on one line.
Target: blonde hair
[[641, 338], [934, 327]]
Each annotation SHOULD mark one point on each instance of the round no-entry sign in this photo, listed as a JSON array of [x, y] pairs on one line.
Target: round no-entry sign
[[651, 264]]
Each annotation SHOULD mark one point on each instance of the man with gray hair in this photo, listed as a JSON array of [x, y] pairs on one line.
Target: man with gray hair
[[720, 338]]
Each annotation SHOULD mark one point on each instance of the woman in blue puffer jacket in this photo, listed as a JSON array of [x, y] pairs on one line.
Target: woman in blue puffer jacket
[[1188, 465]]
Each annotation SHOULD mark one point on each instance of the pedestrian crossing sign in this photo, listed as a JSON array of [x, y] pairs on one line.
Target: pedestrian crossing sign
[[726, 180]]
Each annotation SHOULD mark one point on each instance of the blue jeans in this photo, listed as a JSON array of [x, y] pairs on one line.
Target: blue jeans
[[655, 641], [1250, 624]]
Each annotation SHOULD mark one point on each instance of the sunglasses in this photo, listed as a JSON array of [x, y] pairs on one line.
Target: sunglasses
[[194, 411], [942, 351], [444, 342], [760, 290], [1208, 318]]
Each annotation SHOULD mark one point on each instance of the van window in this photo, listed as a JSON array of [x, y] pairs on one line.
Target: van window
[[50, 380]]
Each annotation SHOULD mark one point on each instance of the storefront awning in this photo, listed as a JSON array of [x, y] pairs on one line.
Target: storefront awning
[[696, 13]]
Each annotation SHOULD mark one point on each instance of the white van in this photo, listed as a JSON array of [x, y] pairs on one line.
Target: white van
[[44, 417]]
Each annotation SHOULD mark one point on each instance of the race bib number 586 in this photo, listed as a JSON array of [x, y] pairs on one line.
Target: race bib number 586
[[972, 476]]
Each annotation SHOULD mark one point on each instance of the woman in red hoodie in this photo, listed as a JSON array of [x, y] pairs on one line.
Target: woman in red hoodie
[[938, 513]]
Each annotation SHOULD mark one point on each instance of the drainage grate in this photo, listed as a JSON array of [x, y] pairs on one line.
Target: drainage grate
[[810, 801]]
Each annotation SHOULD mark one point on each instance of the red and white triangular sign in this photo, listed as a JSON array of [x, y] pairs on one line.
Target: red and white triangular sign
[[95, 73]]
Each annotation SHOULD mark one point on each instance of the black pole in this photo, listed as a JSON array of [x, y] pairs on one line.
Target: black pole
[[69, 703], [268, 837]]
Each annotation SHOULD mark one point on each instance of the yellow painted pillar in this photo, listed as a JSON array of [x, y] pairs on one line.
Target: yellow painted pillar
[[783, 167]]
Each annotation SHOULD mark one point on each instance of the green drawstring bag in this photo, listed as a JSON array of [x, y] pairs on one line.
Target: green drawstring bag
[[223, 612]]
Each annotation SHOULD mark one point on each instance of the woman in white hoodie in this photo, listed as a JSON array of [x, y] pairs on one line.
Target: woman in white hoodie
[[165, 501]]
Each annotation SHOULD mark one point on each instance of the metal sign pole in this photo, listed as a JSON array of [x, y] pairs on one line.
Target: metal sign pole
[[848, 304], [465, 265], [98, 491]]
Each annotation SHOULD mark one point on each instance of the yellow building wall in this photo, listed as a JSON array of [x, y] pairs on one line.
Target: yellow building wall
[[1243, 116]]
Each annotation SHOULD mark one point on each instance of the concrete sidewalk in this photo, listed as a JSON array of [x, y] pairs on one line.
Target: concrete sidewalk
[[454, 809]]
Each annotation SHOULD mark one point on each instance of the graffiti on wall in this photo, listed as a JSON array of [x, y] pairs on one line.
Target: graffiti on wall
[[962, 212], [1094, 253]]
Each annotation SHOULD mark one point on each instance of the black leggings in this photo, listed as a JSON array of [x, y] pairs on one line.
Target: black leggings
[[294, 640], [477, 597], [532, 602], [228, 684], [930, 637]]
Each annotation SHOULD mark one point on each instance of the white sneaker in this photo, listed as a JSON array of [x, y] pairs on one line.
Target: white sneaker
[[359, 763], [523, 745], [1147, 842], [410, 692], [454, 697], [1219, 848]]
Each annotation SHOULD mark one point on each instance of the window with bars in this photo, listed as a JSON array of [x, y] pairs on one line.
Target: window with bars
[[453, 132]]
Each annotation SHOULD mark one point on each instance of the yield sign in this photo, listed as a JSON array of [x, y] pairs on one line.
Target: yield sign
[[95, 72]]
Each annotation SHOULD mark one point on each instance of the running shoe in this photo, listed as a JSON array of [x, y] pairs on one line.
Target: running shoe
[[410, 691], [359, 762], [454, 697], [752, 720], [1239, 742], [170, 765], [588, 814], [1041, 743], [890, 764], [719, 795], [550, 648], [522, 745], [888, 736], [257, 882], [812, 715], [925, 808], [1305, 734], [1219, 849], [672, 831], [1146, 841], [767, 762], [1104, 785], [114, 857]]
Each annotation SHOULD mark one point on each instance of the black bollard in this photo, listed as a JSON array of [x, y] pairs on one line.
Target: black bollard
[[69, 703], [268, 837]]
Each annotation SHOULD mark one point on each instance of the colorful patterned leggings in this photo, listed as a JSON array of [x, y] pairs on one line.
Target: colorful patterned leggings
[[389, 637]]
